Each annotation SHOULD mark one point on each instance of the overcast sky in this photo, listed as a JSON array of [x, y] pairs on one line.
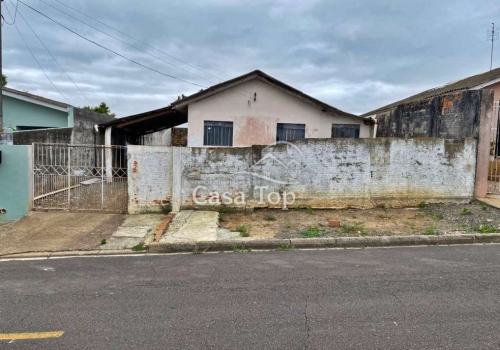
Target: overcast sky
[[355, 55]]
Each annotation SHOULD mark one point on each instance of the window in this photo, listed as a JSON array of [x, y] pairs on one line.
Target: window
[[288, 132], [218, 133], [345, 131]]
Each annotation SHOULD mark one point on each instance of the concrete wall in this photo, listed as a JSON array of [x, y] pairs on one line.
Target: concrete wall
[[324, 173], [83, 127], [18, 113], [149, 178], [15, 182], [255, 121], [59, 135], [453, 117]]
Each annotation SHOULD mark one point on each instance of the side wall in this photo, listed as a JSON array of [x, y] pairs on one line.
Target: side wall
[[83, 127], [453, 117], [59, 135], [15, 182], [255, 121], [149, 178], [325, 173]]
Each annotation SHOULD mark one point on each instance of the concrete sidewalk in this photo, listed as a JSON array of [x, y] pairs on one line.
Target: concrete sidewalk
[[192, 226], [57, 231]]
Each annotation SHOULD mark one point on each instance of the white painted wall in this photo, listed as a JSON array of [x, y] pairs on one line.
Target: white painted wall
[[255, 122]]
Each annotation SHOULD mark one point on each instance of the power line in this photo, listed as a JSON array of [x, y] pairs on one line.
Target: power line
[[15, 14], [140, 41], [139, 49], [107, 49], [32, 55], [48, 51]]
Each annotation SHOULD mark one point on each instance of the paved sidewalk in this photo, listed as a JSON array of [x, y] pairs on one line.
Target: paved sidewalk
[[192, 226], [57, 231], [492, 200]]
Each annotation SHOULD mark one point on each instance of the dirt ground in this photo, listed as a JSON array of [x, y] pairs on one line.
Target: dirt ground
[[425, 220], [57, 231]]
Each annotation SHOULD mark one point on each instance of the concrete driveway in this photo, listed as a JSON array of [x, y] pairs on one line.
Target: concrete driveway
[[57, 231]]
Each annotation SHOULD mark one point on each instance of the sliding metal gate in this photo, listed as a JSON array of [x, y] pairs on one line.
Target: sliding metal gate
[[494, 164], [79, 177]]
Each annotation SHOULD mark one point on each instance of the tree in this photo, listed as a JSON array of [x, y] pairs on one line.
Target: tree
[[102, 108], [4, 80]]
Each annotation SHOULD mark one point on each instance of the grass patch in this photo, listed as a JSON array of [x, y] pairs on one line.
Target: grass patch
[[103, 241], [139, 248], [485, 207], [485, 229], [353, 227], [166, 208], [430, 231], [311, 232], [238, 249], [309, 210], [243, 230], [285, 247], [422, 205], [269, 217], [288, 225], [437, 216], [465, 211]]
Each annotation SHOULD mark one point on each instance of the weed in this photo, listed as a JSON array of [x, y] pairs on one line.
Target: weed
[[238, 249], [422, 205], [243, 230], [485, 207], [412, 225], [166, 208], [311, 232], [139, 248], [288, 225], [221, 217], [465, 211], [285, 247], [269, 217], [381, 216], [382, 206], [103, 241], [355, 227], [430, 231], [309, 210], [437, 216], [485, 229], [196, 251]]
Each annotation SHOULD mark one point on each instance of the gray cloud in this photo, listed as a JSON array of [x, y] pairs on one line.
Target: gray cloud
[[355, 55]]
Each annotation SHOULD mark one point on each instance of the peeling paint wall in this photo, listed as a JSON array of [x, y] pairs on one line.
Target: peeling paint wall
[[321, 173], [149, 178], [255, 122]]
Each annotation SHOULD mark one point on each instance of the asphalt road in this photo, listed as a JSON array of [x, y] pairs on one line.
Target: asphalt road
[[399, 298]]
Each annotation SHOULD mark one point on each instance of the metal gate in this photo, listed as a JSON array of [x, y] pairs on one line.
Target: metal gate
[[79, 177], [494, 164]]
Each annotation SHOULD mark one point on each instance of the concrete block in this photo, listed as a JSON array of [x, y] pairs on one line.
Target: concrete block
[[333, 223]]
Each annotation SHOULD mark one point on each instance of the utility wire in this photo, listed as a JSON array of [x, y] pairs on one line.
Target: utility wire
[[48, 51], [140, 41], [32, 55], [137, 48], [15, 13], [107, 49]]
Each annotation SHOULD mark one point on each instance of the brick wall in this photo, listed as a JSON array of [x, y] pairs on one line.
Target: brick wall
[[325, 173]]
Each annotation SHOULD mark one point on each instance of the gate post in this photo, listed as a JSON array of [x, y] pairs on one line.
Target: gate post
[[109, 154], [483, 144]]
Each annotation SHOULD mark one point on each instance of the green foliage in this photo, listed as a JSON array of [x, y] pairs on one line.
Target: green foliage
[[269, 217], [430, 231], [311, 232], [485, 207], [139, 248], [354, 227], [4, 80], [422, 205], [102, 108], [103, 241], [196, 251], [243, 230], [238, 249], [465, 211], [437, 216], [309, 210], [285, 247], [166, 208], [485, 229]]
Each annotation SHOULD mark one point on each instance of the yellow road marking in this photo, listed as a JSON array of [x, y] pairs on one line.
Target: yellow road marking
[[24, 336]]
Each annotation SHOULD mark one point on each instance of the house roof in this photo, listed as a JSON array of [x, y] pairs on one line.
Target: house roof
[[273, 81], [27, 95], [475, 81], [148, 122]]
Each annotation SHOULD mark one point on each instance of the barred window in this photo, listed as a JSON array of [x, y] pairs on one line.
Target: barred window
[[218, 133], [288, 132], [345, 131]]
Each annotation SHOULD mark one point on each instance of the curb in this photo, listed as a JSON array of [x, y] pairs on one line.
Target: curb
[[321, 243], [68, 253]]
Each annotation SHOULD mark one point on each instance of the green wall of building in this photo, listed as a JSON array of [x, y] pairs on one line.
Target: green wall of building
[[18, 113], [15, 182]]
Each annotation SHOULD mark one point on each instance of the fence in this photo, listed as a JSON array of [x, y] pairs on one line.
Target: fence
[[79, 177], [494, 164]]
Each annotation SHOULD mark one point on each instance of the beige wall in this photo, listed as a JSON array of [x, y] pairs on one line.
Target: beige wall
[[496, 88], [255, 122]]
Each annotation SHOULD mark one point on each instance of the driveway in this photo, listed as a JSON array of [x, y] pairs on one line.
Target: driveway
[[57, 231]]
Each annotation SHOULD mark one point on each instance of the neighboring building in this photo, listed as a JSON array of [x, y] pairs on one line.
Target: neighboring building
[[253, 109], [441, 106]]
